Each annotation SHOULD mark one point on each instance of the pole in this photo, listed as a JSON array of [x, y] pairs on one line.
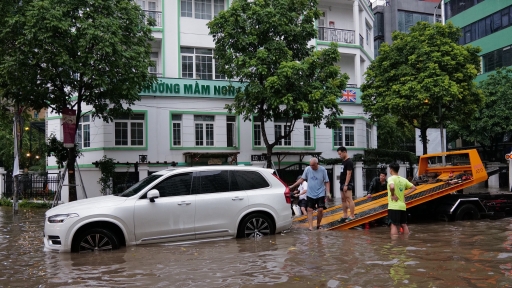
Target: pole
[[30, 145], [15, 172], [442, 135]]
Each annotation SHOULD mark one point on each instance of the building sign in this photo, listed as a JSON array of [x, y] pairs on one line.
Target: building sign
[[68, 126], [258, 158], [169, 87]]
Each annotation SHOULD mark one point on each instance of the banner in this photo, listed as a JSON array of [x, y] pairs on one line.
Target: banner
[[69, 127]]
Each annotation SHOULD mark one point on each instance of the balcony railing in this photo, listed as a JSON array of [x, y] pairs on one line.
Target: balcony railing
[[349, 85], [157, 15], [336, 35], [361, 40]]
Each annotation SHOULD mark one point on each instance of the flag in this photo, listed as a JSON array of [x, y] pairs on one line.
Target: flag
[[349, 95], [16, 166]]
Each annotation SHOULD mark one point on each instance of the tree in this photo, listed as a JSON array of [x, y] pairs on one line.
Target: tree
[[424, 78], [63, 54], [489, 124], [392, 134], [264, 44]]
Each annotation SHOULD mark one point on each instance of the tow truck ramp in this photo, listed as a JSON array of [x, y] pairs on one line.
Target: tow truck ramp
[[465, 170]]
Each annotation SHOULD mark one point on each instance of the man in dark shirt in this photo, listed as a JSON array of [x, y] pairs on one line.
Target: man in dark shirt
[[378, 184], [346, 185]]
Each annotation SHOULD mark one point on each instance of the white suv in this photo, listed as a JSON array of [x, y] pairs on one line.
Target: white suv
[[180, 205]]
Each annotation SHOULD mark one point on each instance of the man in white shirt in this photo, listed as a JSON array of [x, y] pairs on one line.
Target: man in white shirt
[[301, 192]]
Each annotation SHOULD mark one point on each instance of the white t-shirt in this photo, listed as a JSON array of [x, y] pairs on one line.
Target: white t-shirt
[[302, 187]]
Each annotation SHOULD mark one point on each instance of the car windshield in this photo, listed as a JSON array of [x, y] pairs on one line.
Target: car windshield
[[136, 188]]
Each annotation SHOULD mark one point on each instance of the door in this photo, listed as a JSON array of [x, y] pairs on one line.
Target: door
[[219, 203], [171, 216]]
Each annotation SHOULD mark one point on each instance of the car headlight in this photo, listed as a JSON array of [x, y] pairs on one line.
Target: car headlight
[[60, 218]]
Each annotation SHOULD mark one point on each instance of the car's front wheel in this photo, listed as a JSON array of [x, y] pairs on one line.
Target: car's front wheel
[[95, 240], [255, 226]]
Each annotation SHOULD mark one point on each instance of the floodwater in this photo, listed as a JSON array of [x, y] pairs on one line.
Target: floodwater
[[453, 254]]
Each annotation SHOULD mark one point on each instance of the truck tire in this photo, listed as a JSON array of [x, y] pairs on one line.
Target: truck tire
[[467, 212]]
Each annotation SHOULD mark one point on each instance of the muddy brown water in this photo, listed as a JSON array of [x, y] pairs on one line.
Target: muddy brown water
[[453, 254]]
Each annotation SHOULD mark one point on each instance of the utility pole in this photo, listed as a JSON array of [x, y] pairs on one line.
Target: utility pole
[[16, 168]]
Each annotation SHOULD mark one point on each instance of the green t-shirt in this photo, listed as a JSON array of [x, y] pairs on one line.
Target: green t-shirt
[[401, 184]]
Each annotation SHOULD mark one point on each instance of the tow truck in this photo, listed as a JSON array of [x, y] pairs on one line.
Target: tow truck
[[439, 194]]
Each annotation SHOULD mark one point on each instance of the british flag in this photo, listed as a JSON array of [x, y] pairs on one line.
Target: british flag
[[349, 95]]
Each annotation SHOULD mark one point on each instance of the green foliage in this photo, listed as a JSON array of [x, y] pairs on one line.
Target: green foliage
[[26, 204], [108, 168], [421, 73], [264, 44], [55, 148], [377, 156], [392, 134], [488, 125]]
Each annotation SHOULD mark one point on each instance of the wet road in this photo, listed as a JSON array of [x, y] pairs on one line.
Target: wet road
[[455, 254]]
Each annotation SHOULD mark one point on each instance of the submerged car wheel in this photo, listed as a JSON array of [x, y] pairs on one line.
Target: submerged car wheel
[[256, 226], [95, 240]]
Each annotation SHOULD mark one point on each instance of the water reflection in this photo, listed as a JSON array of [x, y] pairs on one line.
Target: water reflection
[[454, 254]]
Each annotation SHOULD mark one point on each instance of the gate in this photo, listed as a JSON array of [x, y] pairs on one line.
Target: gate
[[123, 180], [368, 174], [32, 185], [290, 173]]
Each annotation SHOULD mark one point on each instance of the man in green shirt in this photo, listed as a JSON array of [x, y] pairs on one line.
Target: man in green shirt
[[396, 199]]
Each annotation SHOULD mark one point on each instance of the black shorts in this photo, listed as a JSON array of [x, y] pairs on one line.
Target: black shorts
[[397, 217], [316, 203], [303, 203]]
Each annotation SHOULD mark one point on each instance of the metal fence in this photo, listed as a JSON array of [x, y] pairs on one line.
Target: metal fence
[[368, 174], [32, 186]]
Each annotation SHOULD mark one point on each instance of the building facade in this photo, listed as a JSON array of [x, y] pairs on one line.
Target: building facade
[[393, 15], [182, 118], [488, 25]]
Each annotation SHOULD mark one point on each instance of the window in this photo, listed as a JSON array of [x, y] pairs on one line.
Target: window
[[257, 134], [344, 135], [152, 10], [154, 69], [486, 26], [368, 135], [376, 46], [201, 9], [496, 59], [307, 133], [175, 185], [36, 115], [214, 182], [198, 63], [408, 19], [83, 132], [455, 7], [282, 129], [176, 129], [250, 180], [231, 131], [129, 131], [368, 34], [204, 130]]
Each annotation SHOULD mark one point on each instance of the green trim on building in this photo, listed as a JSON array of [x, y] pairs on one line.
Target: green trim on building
[[500, 39], [55, 167], [53, 117], [327, 43], [157, 29], [209, 148], [479, 11]]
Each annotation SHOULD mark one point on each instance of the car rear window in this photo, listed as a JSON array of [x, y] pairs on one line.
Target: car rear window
[[250, 180]]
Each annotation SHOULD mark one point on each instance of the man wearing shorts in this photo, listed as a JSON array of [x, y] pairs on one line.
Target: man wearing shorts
[[318, 189], [396, 199], [346, 185]]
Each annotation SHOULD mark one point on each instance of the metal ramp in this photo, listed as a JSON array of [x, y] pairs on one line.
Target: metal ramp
[[371, 209]]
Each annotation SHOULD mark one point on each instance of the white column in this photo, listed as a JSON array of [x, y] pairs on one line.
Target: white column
[[403, 170], [2, 173], [336, 170], [359, 180], [143, 170], [357, 64], [171, 36]]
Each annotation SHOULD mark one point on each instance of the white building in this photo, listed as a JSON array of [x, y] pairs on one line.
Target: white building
[[184, 113]]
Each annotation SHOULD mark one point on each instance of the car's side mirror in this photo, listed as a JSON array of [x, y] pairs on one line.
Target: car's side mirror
[[152, 195]]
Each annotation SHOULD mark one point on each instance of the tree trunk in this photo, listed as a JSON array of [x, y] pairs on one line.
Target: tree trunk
[[424, 139], [269, 156], [71, 174]]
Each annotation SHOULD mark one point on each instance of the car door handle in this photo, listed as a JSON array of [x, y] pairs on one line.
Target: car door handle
[[184, 203], [237, 198]]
